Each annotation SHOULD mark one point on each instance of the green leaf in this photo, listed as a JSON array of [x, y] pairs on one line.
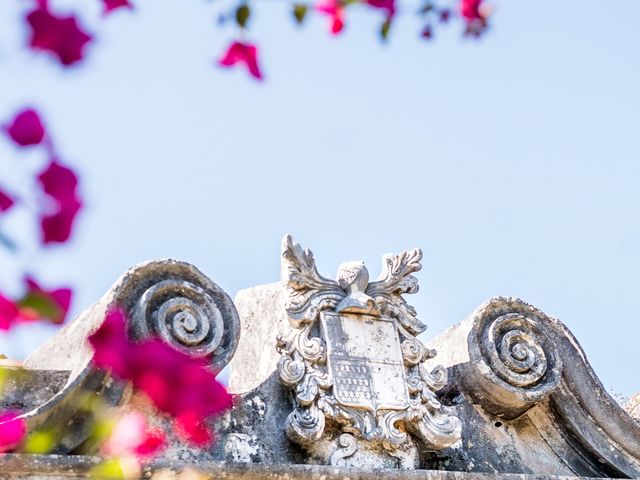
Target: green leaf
[[43, 305], [242, 15], [300, 12], [384, 29]]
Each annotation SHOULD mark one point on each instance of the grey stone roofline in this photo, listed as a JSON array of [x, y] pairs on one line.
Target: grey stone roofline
[[552, 418]]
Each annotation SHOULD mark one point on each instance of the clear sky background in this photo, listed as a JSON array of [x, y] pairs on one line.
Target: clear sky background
[[513, 162]]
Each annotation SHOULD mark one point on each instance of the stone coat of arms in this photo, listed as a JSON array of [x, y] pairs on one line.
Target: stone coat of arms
[[353, 363]]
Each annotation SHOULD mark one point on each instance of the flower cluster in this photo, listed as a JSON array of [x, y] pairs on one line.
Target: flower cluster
[[65, 39], [60, 203], [474, 13], [177, 384], [36, 304], [57, 205]]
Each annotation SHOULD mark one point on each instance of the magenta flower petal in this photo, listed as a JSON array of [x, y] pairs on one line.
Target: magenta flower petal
[[471, 10], [57, 228], [192, 428], [52, 305], [110, 345], [111, 5], [389, 6], [6, 202], [59, 35], [8, 313], [244, 53], [60, 183], [177, 384], [154, 442], [133, 436], [12, 430], [26, 128], [334, 9]]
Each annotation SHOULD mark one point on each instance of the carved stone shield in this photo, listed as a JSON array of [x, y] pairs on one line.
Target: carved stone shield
[[365, 360], [353, 358]]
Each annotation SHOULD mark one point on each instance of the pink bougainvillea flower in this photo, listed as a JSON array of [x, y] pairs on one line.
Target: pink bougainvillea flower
[[177, 384], [335, 10], [476, 14], [9, 313], [60, 183], [26, 128], [42, 304], [133, 436], [244, 53], [111, 5], [6, 202], [12, 430], [36, 304], [59, 35], [154, 442], [470, 9], [193, 429], [389, 6]]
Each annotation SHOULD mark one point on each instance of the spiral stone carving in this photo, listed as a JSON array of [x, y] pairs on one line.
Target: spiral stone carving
[[514, 352], [177, 303], [514, 362]]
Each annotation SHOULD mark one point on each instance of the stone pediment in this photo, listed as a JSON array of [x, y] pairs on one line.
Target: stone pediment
[[333, 382]]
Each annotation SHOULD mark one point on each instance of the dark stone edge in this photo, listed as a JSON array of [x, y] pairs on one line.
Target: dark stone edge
[[13, 464]]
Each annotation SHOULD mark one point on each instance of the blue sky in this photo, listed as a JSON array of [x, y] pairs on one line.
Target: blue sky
[[513, 162]]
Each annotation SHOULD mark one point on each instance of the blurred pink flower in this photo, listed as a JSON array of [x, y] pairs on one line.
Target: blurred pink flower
[[26, 128], [245, 53], [193, 428], [387, 5], [476, 14], [133, 436], [6, 202], [36, 304], [335, 10], [12, 430], [42, 304], [60, 183], [60, 35], [111, 5], [470, 9], [9, 313], [177, 384]]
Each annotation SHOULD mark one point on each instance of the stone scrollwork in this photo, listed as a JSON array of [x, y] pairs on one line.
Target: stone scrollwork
[[513, 365], [353, 360], [166, 298], [183, 314], [185, 309]]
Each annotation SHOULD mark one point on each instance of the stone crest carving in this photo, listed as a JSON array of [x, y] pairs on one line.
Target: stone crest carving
[[354, 359]]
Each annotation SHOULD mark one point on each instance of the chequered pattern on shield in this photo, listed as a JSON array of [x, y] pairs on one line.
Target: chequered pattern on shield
[[352, 381]]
